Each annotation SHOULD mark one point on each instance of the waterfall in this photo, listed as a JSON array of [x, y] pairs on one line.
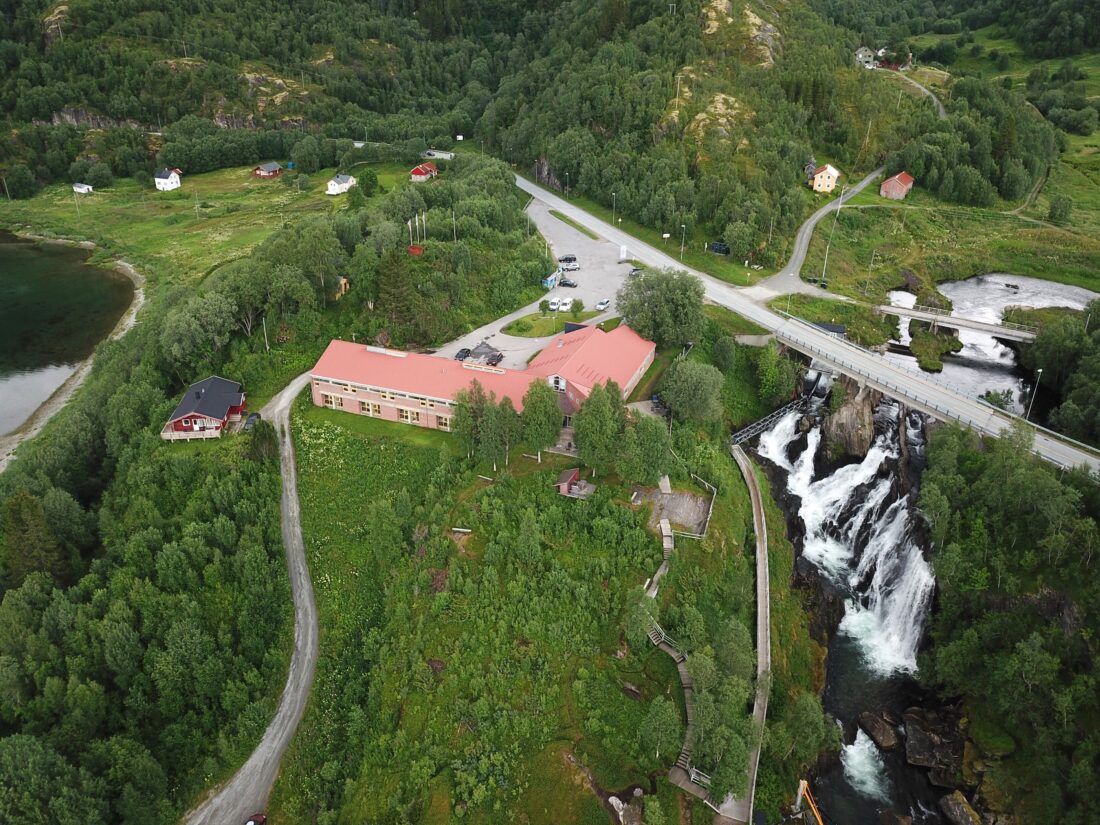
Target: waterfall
[[864, 768], [859, 534]]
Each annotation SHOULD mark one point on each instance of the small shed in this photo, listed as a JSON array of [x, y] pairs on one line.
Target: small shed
[[567, 479], [82, 188], [897, 187], [268, 170]]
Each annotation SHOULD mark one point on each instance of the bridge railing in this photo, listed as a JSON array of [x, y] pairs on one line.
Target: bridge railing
[[947, 314], [1003, 418]]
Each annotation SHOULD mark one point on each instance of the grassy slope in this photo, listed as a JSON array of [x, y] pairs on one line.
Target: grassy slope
[[944, 242], [539, 325], [177, 237], [379, 458]]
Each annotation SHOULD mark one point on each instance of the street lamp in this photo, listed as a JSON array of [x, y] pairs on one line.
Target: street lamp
[[612, 208], [567, 184], [1034, 392], [683, 237]]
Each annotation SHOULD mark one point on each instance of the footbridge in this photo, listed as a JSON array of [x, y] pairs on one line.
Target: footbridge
[[942, 318]]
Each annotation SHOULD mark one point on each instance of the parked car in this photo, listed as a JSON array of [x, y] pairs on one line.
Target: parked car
[[633, 272], [572, 266], [256, 819], [494, 359], [565, 305], [554, 304], [567, 259], [719, 248], [462, 354], [250, 422], [569, 282], [603, 304]]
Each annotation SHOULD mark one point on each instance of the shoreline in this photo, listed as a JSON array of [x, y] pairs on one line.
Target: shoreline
[[38, 419]]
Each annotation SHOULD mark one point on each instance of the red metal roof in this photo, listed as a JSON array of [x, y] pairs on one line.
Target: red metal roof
[[904, 178], [583, 358], [821, 169], [417, 373], [425, 170], [591, 356]]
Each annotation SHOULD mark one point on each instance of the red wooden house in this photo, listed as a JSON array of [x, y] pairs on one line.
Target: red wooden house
[[423, 172], [205, 409], [897, 187], [268, 170]]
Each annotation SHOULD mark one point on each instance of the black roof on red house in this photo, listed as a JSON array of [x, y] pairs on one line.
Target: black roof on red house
[[211, 397]]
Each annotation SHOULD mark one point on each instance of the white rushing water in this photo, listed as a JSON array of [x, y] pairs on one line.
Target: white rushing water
[[864, 768], [859, 533]]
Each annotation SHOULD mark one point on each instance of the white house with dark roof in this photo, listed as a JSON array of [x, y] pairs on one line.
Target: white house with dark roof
[[167, 179], [340, 184]]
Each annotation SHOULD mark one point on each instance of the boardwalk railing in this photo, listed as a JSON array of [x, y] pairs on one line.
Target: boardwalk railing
[[946, 313], [766, 422]]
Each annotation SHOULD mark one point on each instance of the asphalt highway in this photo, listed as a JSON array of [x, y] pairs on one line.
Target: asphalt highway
[[919, 390]]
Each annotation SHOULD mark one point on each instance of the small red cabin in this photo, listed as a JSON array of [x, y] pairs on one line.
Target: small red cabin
[[423, 172], [268, 170], [205, 409], [567, 479]]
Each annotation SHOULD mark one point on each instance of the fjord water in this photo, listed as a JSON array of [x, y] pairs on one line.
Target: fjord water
[[54, 309], [861, 535]]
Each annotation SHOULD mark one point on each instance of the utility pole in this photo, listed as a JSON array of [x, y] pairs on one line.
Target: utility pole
[[77, 203], [828, 246], [454, 225], [266, 345], [5, 181], [678, 86], [612, 208], [683, 237], [1034, 392], [869, 268]]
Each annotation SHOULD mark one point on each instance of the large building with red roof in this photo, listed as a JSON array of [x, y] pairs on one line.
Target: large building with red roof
[[420, 389]]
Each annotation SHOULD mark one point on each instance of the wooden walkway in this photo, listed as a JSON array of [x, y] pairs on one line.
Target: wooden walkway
[[730, 811]]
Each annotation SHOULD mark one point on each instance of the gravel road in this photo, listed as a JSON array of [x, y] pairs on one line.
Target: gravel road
[[248, 790]]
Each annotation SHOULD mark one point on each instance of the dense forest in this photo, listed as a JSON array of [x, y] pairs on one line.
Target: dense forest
[[1043, 29], [1017, 616], [144, 589], [1068, 353]]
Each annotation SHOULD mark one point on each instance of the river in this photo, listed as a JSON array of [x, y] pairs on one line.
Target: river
[[863, 538], [54, 310], [984, 363]]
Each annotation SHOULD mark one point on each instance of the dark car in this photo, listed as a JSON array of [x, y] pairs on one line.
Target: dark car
[[568, 282], [462, 354], [256, 819], [633, 272], [251, 421], [567, 259], [494, 359], [719, 248]]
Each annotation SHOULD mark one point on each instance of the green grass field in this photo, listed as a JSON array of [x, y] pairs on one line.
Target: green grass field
[[929, 245], [537, 325], [994, 43], [180, 236]]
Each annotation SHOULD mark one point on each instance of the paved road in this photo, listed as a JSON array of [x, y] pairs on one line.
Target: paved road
[[600, 276], [247, 791], [789, 279], [921, 391]]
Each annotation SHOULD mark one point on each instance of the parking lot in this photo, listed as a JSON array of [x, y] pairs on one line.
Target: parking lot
[[600, 276]]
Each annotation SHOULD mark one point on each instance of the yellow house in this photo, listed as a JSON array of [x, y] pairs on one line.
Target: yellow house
[[824, 178]]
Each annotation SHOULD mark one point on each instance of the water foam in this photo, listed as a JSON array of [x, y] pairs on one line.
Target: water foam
[[864, 768], [859, 533]]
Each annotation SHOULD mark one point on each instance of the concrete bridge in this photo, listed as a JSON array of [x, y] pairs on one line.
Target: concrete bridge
[[942, 318]]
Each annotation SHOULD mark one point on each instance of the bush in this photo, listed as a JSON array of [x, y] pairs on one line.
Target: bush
[[99, 176]]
